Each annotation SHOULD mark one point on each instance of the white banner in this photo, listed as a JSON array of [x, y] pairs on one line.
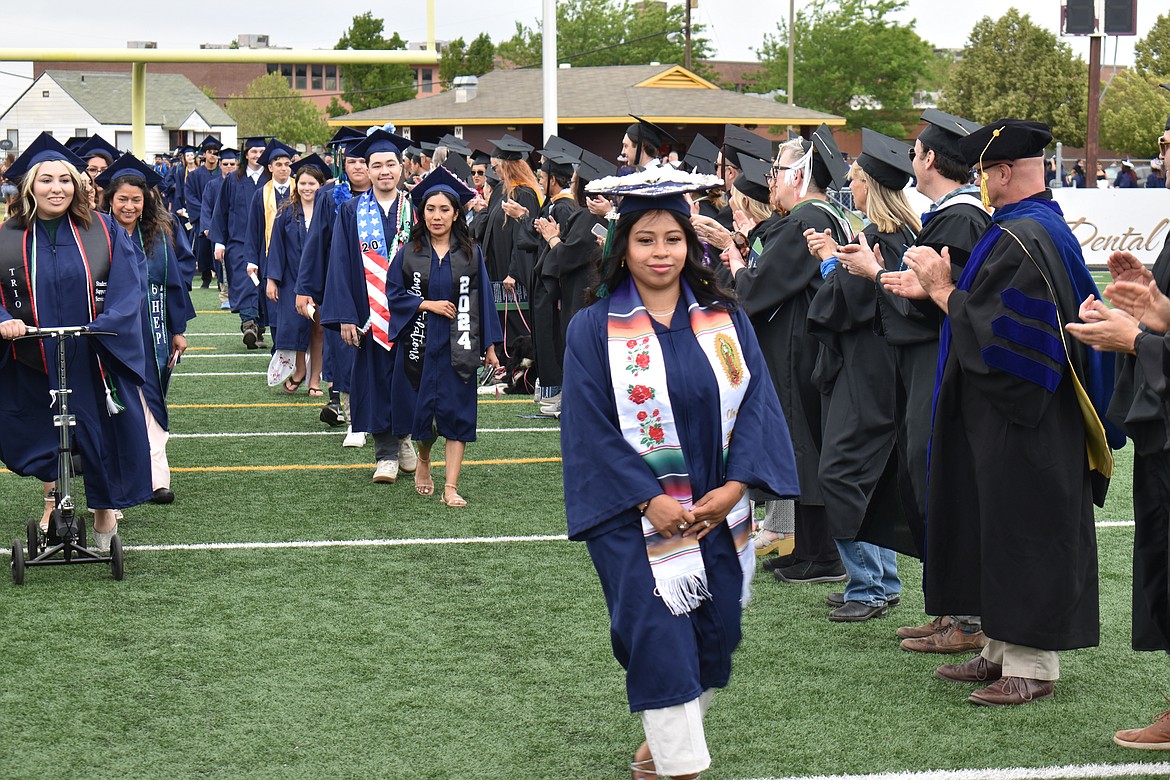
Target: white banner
[[1105, 221]]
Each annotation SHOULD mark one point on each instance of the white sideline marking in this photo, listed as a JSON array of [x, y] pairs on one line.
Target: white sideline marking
[[1012, 773], [1115, 524], [218, 373], [327, 433], [345, 543], [237, 334], [261, 353]]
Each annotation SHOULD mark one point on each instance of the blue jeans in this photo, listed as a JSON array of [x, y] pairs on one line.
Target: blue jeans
[[250, 315], [873, 573]]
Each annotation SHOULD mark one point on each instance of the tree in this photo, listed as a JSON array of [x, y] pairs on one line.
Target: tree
[[851, 59], [370, 86], [1133, 111], [611, 32], [1011, 67], [1152, 53], [271, 107], [459, 59]]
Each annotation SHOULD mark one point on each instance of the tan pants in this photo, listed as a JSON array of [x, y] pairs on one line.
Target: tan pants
[[676, 738], [1020, 661]]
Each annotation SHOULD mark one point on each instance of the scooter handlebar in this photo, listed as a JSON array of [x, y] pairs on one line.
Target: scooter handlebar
[[62, 331]]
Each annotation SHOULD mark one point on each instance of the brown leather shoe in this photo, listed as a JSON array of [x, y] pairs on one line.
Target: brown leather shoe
[[933, 627], [949, 640], [1008, 691], [1155, 736], [975, 670]]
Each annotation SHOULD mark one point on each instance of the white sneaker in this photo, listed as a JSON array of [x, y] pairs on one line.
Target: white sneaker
[[353, 439], [101, 539], [553, 409], [407, 457], [386, 472]]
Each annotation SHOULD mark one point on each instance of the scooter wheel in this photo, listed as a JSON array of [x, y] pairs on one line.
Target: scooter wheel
[[17, 562], [116, 562], [33, 534], [81, 532]]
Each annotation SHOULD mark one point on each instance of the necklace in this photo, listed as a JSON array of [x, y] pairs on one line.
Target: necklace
[[661, 313]]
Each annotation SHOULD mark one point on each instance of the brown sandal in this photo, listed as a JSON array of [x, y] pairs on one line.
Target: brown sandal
[[454, 499]]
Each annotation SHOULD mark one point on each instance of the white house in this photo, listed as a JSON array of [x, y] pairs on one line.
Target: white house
[[79, 103]]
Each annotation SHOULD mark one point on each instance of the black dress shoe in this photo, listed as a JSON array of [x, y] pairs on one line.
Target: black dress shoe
[[812, 571], [782, 562], [838, 600], [163, 496], [856, 612]]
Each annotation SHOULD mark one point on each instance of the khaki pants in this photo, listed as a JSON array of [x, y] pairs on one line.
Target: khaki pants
[[676, 738], [1020, 661], [160, 468]]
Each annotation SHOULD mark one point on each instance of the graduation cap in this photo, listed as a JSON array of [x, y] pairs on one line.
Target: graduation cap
[[210, 142], [76, 142], [737, 140], [557, 144], [702, 155], [558, 162], [428, 146], [1005, 140], [655, 188], [275, 149], [753, 178], [457, 164], [227, 153], [412, 152], [828, 169], [43, 149], [313, 160], [377, 142], [645, 133], [440, 180], [943, 131], [885, 160], [509, 148], [456, 145], [492, 177], [255, 142], [96, 146], [480, 158], [593, 167], [128, 165], [345, 135]]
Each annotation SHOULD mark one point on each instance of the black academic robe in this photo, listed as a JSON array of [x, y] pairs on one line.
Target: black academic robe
[[776, 294], [573, 263], [855, 373], [544, 299], [1140, 407], [1010, 532]]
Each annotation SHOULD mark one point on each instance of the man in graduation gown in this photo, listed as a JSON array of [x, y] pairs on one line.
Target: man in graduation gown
[[337, 356], [196, 183], [229, 163], [266, 201], [229, 231], [1010, 532], [367, 232], [776, 294]]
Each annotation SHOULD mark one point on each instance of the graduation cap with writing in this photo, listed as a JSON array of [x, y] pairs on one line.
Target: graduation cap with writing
[[737, 140], [96, 146], [1005, 140], [128, 165], [828, 169], [440, 180], [274, 150], [753, 178], [377, 142], [227, 153], [457, 164], [43, 148], [457, 145], [943, 132], [509, 148], [210, 142], [702, 155], [313, 160], [885, 160], [593, 167]]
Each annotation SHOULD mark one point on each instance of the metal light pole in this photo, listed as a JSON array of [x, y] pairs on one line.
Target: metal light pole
[[687, 61], [791, 50], [549, 68]]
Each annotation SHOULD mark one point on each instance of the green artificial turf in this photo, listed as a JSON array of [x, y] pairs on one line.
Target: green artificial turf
[[461, 660]]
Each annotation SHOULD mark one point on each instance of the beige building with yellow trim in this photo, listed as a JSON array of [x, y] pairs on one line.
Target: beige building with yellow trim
[[594, 107]]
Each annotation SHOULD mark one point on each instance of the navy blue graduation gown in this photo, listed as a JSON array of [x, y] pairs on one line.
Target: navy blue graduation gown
[[336, 356], [443, 403], [229, 226], [668, 659], [346, 302], [284, 261], [207, 204], [162, 268], [255, 251], [114, 448], [193, 188]]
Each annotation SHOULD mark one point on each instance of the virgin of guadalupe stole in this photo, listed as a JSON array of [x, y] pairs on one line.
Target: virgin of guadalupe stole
[[18, 274], [466, 328]]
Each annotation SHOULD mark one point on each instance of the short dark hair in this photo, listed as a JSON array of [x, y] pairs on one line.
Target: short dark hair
[[948, 167]]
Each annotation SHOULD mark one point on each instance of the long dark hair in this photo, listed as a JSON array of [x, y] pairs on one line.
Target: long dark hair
[[155, 222], [702, 280], [460, 233], [294, 199]]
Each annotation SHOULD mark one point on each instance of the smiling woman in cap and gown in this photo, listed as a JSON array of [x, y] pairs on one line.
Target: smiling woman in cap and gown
[[668, 416], [65, 265]]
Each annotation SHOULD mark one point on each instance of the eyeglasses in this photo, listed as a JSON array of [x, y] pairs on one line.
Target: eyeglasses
[[774, 171], [93, 169], [1163, 144], [911, 153]]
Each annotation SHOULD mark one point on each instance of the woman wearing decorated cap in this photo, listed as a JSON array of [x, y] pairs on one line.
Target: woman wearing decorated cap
[[669, 415], [130, 196], [444, 315], [289, 230], [66, 265]]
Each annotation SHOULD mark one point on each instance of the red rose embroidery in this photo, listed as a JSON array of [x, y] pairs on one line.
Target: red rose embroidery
[[642, 361], [642, 415], [640, 394], [646, 340], [656, 434], [631, 343]]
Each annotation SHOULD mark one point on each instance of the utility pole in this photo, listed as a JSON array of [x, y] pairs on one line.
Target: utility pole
[[687, 61], [549, 68], [1093, 110], [791, 50]]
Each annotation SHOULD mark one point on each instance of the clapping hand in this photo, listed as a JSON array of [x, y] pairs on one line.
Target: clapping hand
[[1144, 302], [820, 245]]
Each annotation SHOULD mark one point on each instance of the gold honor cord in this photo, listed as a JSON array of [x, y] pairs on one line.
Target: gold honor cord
[[983, 196]]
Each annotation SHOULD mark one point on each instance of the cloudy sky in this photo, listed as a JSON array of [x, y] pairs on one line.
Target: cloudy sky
[[734, 26]]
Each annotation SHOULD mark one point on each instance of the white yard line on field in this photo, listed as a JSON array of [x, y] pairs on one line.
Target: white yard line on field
[[248, 434], [1076, 771]]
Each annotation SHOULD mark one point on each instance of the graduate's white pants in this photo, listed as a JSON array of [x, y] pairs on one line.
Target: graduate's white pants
[[676, 738], [160, 468]]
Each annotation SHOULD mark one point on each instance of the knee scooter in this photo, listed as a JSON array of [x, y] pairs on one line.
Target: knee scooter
[[65, 536]]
